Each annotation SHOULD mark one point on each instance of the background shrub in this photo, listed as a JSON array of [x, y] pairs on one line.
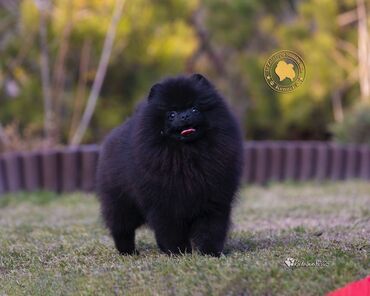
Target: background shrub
[[355, 128]]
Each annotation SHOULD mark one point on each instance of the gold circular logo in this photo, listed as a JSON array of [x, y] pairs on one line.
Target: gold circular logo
[[284, 71]]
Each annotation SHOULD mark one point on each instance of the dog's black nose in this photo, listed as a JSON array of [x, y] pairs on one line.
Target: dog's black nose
[[185, 116]]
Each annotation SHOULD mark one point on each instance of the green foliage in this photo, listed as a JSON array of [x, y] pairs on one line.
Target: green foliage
[[261, 28], [158, 38], [153, 40], [355, 128]]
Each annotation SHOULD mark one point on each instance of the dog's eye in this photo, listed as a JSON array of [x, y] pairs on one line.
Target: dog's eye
[[171, 115], [194, 110]]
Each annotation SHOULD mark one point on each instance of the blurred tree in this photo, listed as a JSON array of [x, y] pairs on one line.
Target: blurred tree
[[100, 74], [153, 40], [355, 128], [245, 33], [229, 41]]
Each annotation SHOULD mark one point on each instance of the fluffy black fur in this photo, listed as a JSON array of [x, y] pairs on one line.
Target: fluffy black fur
[[181, 183]]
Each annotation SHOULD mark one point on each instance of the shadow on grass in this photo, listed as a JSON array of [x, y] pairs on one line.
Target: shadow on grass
[[245, 241], [248, 242]]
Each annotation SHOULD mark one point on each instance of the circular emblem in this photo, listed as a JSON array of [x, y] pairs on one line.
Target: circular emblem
[[284, 71]]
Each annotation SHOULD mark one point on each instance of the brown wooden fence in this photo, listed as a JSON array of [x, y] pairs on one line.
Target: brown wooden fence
[[67, 170], [60, 170]]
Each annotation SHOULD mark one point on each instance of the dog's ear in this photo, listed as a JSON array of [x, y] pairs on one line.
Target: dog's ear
[[200, 79], [155, 89]]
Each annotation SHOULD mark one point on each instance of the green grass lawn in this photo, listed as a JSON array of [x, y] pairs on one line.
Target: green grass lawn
[[56, 245]]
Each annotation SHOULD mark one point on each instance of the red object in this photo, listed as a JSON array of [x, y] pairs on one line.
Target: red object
[[359, 288], [187, 131]]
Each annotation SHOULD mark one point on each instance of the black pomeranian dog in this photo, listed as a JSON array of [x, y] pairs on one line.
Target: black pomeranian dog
[[174, 165]]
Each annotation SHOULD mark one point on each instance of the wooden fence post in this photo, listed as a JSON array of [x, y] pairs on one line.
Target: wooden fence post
[[13, 172], [323, 162], [31, 163], [292, 161], [50, 170], [3, 182], [352, 162], [277, 154], [89, 156], [262, 163], [365, 162], [338, 162], [70, 169], [308, 163], [249, 162]]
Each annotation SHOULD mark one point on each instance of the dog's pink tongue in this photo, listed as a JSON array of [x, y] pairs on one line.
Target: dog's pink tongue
[[187, 131]]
